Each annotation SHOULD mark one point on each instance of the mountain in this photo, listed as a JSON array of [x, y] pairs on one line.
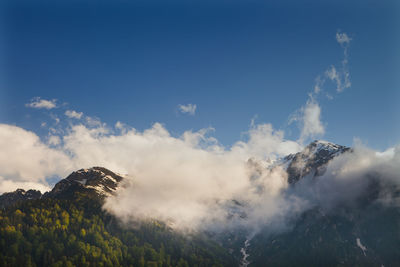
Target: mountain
[[96, 181], [312, 160], [67, 226], [362, 232], [344, 237]]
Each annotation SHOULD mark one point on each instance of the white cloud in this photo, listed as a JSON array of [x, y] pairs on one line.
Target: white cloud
[[190, 181], [349, 176], [334, 76], [312, 120], [309, 119], [342, 38], [309, 116], [119, 125], [94, 122], [39, 103], [122, 127], [265, 143], [25, 159], [11, 185], [73, 114], [338, 75], [55, 118], [54, 140], [178, 179], [318, 84], [189, 108], [184, 179]]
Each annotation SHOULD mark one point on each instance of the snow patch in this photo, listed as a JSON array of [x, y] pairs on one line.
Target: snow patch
[[363, 248], [325, 145], [83, 182]]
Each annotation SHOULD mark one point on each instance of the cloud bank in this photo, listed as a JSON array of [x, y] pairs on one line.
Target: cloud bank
[[186, 180], [26, 162], [191, 181]]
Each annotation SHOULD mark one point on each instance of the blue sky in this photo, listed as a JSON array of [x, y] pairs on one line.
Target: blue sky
[[136, 63]]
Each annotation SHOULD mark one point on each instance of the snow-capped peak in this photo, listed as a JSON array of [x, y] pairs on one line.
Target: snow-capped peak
[[319, 145], [312, 160]]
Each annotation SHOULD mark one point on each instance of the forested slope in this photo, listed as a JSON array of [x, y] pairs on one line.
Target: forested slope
[[61, 232]]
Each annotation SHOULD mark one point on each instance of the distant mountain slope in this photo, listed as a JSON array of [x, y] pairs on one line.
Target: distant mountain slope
[[18, 195], [346, 237], [363, 232]]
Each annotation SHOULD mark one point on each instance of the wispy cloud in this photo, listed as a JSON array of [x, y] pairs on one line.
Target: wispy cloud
[[335, 76], [342, 38], [189, 109], [73, 114], [39, 103], [309, 119], [308, 116], [338, 75], [341, 77]]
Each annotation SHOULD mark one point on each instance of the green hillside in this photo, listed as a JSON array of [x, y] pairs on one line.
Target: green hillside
[[62, 232]]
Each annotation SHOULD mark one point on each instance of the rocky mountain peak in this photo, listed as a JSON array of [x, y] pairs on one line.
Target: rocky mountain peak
[[318, 146], [312, 160], [98, 180]]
